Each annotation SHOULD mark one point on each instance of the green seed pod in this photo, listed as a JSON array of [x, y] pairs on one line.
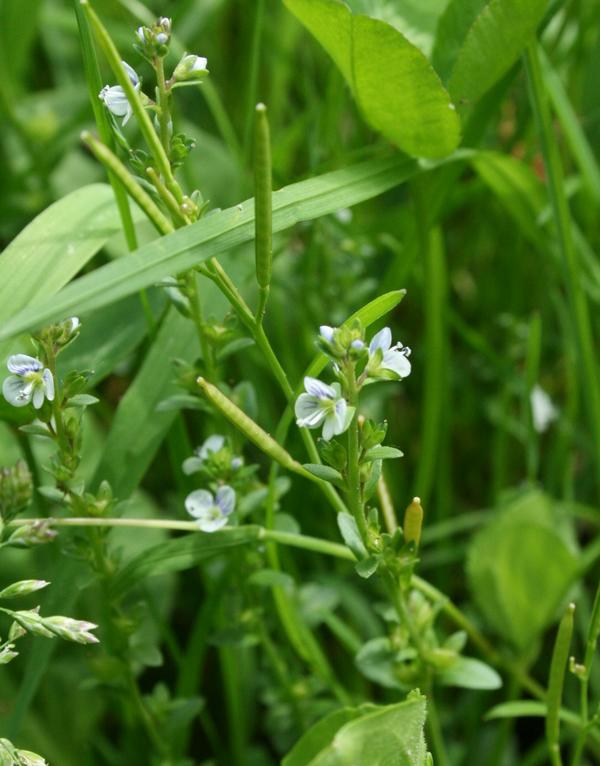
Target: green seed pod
[[249, 428], [558, 666], [263, 224], [413, 521]]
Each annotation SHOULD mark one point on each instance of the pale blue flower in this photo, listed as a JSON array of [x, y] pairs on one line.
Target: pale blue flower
[[326, 332], [322, 405], [30, 382], [211, 511], [114, 97], [384, 356]]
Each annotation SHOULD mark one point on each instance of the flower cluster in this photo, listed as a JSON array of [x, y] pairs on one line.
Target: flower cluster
[[216, 463], [326, 405], [153, 44]]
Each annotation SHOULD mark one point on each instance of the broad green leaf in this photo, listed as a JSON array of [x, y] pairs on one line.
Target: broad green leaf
[[180, 553], [211, 236], [415, 19], [469, 673], [388, 735], [478, 41], [50, 251], [138, 427], [516, 590], [321, 733], [395, 87]]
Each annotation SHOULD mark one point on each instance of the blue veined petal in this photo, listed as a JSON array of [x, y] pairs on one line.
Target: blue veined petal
[[198, 502], [317, 388], [225, 499], [131, 73], [48, 384], [17, 391], [309, 412], [382, 340], [21, 364]]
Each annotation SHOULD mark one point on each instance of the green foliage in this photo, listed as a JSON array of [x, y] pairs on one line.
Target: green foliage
[[368, 735], [477, 41], [504, 565], [388, 77]]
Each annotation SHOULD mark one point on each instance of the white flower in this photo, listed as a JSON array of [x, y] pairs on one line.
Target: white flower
[[30, 382], [322, 404], [542, 409], [191, 67], [114, 98], [211, 511], [382, 355]]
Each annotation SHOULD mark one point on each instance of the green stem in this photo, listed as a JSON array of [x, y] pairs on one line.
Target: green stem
[[198, 318], [435, 731], [163, 104], [562, 216], [104, 155], [133, 97], [355, 502]]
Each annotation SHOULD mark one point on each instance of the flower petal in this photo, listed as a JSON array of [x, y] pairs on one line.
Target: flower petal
[[382, 340], [214, 443], [212, 523], [198, 502], [397, 362], [318, 388], [225, 499], [309, 412], [17, 391], [325, 331], [131, 73], [20, 364], [38, 395], [48, 384], [191, 465]]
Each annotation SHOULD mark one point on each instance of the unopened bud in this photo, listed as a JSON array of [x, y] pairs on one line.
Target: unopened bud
[[36, 533], [23, 588], [413, 521], [191, 67], [72, 630]]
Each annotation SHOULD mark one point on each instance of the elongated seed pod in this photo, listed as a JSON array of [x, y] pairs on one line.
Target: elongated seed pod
[[413, 521], [263, 223], [249, 428], [556, 679]]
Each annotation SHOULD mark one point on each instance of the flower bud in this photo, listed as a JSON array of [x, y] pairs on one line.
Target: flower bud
[[72, 630], [413, 521], [191, 67], [35, 533], [32, 622], [23, 588]]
